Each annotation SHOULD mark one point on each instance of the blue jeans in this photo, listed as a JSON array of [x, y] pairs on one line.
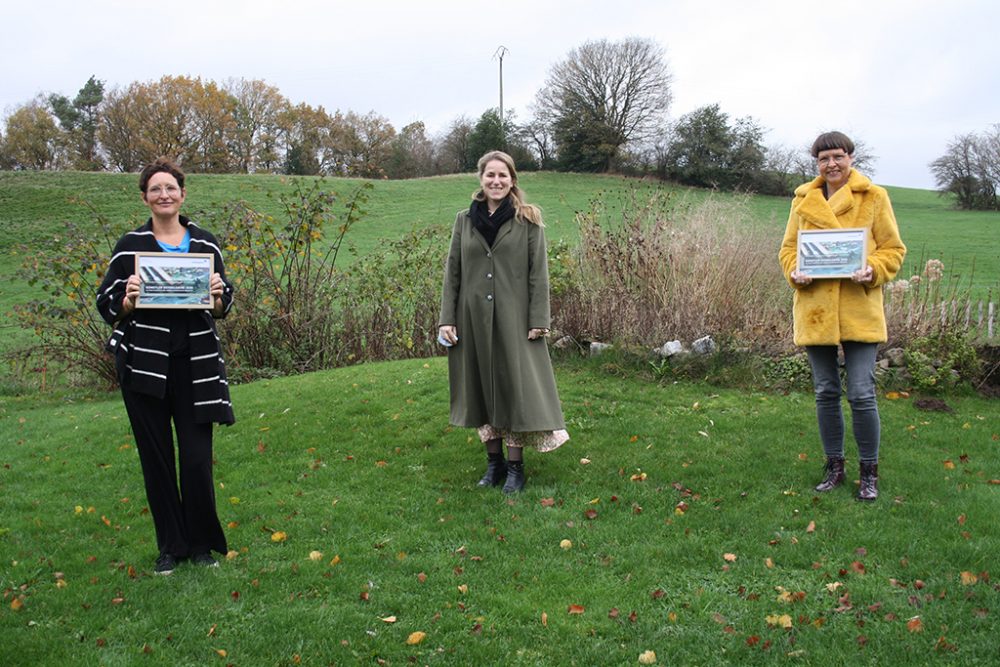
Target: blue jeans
[[859, 361]]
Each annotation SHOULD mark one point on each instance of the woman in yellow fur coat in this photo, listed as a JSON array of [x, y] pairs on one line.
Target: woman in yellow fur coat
[[832, 312]]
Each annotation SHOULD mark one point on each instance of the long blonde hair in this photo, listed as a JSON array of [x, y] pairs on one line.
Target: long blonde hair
[[522, 209]]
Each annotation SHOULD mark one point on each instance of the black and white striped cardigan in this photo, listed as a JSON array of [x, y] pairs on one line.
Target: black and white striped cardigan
[[140, 340]]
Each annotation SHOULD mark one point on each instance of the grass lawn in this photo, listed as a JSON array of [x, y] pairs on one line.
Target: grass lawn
[[694, 533]]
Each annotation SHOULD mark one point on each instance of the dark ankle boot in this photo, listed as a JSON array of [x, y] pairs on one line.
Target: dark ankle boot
[[515, 477], [834, 474], [496, 471], [868, 491]]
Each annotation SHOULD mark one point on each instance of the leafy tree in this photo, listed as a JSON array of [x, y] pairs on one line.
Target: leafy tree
[[968, 170], [179, 117], [368, 144], [120, 130], [707, 150], [412, 153], [303, 129], [488, 134], [602, 97], [78, 119], [32, 140]]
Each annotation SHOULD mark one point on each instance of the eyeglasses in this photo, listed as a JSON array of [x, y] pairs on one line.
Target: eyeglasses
[[828, 159], [157, 190]]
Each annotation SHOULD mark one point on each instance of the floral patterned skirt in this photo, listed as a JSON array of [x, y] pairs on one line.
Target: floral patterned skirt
[[542, 441]]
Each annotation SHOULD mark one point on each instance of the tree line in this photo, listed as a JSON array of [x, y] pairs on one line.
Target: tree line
[[603, 108]]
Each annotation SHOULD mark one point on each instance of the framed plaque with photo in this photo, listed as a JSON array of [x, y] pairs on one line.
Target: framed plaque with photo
[[832, 253], [174, 280]]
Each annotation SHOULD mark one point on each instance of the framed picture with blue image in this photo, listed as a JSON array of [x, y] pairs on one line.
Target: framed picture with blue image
[[832, 253], [174, 280]]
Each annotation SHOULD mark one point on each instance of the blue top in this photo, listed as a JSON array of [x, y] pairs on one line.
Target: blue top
[[183, 246]]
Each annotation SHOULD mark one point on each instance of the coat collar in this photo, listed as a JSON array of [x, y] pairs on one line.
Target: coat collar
[[823, 213], [503, 232]]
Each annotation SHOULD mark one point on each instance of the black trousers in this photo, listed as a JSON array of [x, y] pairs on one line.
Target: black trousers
[[185, 517]]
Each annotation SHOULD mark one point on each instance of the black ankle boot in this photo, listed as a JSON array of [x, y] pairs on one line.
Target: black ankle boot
[[496, 471], [868, 491], [834, 474], [515, 477]]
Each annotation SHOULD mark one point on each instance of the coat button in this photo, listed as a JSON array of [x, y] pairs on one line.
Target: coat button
[[489, 254], [489, 276], [489, 297]]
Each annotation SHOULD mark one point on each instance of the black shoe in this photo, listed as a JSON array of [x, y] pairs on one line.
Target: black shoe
[[833, 474], [204, 560], [868, 490], [165, 564], [515, 477], [496, 471]]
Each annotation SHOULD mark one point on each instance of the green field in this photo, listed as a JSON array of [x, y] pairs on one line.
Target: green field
[[693, 532]]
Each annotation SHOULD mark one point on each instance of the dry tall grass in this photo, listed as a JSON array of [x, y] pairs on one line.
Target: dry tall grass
[[657, 269]]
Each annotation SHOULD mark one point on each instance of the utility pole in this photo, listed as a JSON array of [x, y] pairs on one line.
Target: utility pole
[[499, 54]]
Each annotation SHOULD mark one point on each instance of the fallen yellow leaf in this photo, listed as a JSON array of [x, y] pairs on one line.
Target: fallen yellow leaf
[[279, 536], [415, 638], [463, 589], [729, 558], [545, 620], [647, 658], [565, 544], [388, 619], [315, 555], [782, 621], [968, 578]]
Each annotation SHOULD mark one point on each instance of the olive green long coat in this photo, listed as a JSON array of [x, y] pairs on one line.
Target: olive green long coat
[[493, 296]]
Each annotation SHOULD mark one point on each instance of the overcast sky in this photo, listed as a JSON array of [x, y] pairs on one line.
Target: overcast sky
[[905, 76]]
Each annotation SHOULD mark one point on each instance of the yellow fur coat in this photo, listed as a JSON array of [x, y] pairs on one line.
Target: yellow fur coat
[[829, 311]]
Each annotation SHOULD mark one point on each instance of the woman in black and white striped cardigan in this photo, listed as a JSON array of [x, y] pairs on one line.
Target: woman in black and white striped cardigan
[[171, 369]]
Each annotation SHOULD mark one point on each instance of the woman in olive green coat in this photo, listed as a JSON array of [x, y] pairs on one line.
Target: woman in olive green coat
[[494, 319]]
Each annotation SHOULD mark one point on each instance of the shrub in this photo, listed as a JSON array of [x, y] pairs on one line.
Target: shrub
[[285, 315], [68, 269], [391, 298], [941, 361]]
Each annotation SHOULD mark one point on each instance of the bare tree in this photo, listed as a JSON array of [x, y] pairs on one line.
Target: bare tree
[[453, 148], [603, 96], [968, 170], [258, 108]]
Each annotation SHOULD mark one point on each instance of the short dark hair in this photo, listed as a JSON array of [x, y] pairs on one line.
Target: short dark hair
[[155, 167], [831, 140]]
